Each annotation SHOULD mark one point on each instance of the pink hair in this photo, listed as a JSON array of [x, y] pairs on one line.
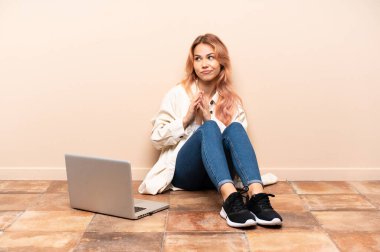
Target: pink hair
[[228, 98]]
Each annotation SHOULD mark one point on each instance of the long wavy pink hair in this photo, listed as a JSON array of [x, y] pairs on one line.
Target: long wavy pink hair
[[228, 98]]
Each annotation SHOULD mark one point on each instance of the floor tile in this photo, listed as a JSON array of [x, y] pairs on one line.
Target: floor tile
[[70, 221], [196, 221], [205, 242], [367, 187], [357, 241], [58, 186], [196, 202], [290, 241], [7, 218], [92, 241], [374, 199], [159, 197], [337, 202], [324, 217], [23, 186], [104, 223], [323, 187], [162, 197], [17, 201], [135, 185], [52, 202], [349, 221], [288, 202], [281, 187], [39, 241], [297, 221]]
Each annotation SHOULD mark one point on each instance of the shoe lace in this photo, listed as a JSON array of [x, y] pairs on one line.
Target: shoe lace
[[264, 201], [237, 204], [244, 193]]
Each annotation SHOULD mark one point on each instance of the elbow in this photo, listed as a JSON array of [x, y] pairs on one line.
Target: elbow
[[156, 143], [157, 146]]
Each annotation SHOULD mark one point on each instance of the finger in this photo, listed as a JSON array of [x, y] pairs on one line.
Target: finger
[[198, 101], [199, 98], [196, 97], [201, 104]]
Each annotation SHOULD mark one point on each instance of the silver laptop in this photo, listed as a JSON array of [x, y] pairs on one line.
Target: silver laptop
[[105, 186]]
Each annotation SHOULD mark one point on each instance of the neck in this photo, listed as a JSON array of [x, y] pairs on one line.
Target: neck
[[208, 88]]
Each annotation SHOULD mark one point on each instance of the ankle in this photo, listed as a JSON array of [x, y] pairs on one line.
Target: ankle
[[255, 188], [226, 190]]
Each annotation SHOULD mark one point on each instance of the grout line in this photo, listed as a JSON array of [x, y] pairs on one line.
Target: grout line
[[80, 239], [163, 242], [165, 227], [78, 242], [341, 209], [245, 238], [292, 186], [355, 191], [353, 186], [247, 242], [329, 237], [370, 202], [332, 240], [17, 217], [34, 203]]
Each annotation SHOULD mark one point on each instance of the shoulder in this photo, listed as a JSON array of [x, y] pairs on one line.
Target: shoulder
[[176, 91], [174, 97], [239, 107], [240, 111]]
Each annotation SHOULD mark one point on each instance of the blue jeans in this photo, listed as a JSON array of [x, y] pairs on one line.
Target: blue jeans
[[210, 159]]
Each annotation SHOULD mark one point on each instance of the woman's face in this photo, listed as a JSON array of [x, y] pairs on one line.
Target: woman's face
[[206, 66]]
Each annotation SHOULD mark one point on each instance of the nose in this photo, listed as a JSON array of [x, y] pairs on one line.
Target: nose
[[204, 63]]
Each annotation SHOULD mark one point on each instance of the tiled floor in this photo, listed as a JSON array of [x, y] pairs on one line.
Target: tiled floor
[[318, 216]]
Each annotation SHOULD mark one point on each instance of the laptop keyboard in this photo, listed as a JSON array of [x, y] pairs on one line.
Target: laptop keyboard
[[138, 209]]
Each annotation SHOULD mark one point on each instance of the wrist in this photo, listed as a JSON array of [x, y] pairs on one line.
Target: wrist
[[185, 123]]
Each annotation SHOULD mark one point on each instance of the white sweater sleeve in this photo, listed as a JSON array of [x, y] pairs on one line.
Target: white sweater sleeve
[[167, 124], [241, 117]]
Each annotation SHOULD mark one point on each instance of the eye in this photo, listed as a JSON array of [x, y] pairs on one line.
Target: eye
[[197, 58], [210, 57]]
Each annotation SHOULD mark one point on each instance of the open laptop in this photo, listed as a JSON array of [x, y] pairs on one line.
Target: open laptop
[[105, 186]]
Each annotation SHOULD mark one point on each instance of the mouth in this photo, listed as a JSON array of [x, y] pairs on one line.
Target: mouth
[[206, 72]]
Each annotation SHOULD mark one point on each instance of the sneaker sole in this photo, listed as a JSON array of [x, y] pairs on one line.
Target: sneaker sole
[[274, 222], [248, 223]]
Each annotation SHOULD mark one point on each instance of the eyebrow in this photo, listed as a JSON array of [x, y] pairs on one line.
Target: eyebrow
[[206, 55]]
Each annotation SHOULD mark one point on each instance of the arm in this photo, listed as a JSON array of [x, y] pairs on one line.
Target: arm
[[241, 117], [169, 127]]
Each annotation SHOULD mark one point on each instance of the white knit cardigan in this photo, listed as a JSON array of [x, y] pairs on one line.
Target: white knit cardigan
[[168, 136]]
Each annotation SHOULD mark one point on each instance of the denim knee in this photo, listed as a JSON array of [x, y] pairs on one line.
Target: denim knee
[[210, 124], [234, 126]]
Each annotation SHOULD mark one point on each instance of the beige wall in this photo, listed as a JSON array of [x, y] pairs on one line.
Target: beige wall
[[87, 76]]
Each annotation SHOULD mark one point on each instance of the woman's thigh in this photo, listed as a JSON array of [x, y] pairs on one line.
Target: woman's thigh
[[241, 153], [190, 173]]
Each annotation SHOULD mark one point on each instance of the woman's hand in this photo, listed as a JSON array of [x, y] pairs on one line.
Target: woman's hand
[[192, 111], [203, 109]]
